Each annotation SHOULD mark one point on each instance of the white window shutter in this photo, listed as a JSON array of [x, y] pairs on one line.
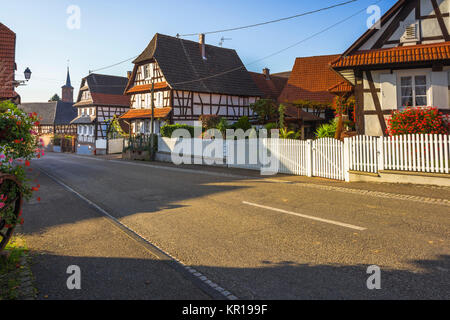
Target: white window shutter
[[439, 89], [388, 91]]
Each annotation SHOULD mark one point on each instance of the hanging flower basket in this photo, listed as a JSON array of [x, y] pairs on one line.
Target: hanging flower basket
[[10, 207], [18, 145]]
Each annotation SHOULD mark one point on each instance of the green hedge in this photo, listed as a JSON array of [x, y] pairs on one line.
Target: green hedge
[[168, 129]]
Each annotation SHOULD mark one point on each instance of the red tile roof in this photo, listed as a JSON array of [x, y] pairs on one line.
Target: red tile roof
[[146, 113], [271, 88], [341, 87], [105, 99], [110, 99], [310, 80], [147, 87], [296, 114], [7, 62], [406, 54]]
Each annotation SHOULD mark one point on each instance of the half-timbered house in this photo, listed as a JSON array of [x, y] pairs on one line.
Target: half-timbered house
[[309, 92], [190, 79], [100, 98], [404, 63], [54, 117]]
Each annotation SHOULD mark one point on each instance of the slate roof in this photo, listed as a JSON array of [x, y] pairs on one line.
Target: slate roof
[[310, 80], [83, 119], [182, 65], [51, 113], [271, 88], [7, 62], [105, 90]]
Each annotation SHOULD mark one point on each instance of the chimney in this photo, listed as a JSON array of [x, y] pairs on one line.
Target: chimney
[[201, 40], [266, 72], [128, 74]]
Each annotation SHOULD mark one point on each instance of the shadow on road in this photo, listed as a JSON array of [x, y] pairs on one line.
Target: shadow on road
[[106, 278]]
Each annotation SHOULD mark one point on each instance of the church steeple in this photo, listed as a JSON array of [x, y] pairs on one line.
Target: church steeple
[[67, 89], [68, 79]]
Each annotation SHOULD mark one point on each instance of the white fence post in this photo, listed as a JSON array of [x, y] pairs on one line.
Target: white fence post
[[309, 158], [380, 151], [346, 163]]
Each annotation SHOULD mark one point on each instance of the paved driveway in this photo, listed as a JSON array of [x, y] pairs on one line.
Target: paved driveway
[[278, 237]]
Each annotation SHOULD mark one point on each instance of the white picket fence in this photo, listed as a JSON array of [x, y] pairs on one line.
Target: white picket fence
[[363, 153], [334, 159], [328, 159], [412, 152]]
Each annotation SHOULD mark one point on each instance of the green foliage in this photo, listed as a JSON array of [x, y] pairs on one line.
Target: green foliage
[[311, 104], [281, 111], [327, 130], [18, 145], [223, 125], [285, 133], [271, 126], [55, 97], [209, 121], [243, 123], [57, 140], [10, 274], [266, 109], [168, 129], [115, 128]]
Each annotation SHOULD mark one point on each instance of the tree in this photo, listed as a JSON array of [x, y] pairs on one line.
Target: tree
[[266, 109], [315, 107], [55, 98]]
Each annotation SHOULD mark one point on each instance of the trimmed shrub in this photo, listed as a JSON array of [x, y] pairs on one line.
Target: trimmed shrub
[[168, 129], [243, 123]]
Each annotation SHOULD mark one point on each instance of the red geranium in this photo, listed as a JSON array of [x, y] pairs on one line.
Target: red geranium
[[418, 120]]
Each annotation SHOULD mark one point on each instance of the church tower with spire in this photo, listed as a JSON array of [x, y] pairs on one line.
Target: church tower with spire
[[67, 89]]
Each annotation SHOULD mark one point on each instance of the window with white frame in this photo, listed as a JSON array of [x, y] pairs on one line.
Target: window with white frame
[[147, 71], [413, 91]]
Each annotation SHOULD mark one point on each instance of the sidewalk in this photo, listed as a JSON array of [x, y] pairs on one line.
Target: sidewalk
[[62, 230]]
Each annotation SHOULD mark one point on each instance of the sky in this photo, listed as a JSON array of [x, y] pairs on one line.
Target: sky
[[113, 31]]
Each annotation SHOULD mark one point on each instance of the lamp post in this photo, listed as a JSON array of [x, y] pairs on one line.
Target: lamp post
[[152, 120], [27, 74]]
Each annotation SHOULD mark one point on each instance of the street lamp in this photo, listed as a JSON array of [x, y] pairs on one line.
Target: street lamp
[[27, 74]]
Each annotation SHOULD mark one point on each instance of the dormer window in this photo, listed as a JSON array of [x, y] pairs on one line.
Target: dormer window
[[411, 32]]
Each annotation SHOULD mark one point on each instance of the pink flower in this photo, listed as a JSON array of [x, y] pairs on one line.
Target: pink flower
[[2, 205]]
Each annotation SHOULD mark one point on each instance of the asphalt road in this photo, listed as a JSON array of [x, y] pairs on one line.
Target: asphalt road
[[279, 237]]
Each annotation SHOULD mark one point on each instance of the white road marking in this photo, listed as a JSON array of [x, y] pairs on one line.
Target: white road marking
[[375, 194], [346, 225]]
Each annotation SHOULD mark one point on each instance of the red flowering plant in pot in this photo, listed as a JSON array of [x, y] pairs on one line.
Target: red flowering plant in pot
[[18, 145], [418, 121]]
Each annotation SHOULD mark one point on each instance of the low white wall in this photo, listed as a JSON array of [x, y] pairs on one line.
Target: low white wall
[[115, 146], [190, 147], [100, 144]]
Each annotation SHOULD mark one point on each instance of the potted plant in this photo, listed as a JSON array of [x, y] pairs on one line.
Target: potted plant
[[18, 145]]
